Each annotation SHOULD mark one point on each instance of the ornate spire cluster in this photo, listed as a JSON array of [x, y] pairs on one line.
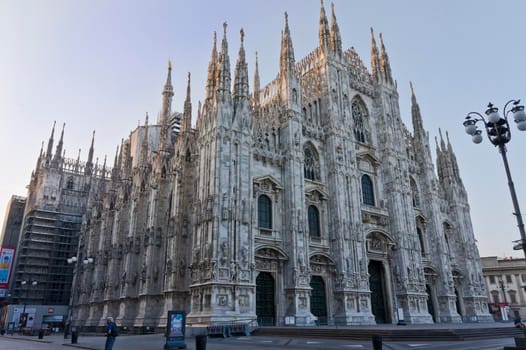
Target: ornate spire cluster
[[323, 31], [223, 74], [380, 67], [287, 62]]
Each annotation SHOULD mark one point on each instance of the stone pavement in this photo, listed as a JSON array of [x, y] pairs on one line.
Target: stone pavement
[[156, 341]]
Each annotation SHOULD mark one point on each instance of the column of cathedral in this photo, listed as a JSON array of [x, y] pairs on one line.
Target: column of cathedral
[[408, 269], [346, 230]]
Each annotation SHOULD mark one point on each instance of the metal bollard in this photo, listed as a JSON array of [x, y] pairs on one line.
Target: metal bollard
[[74, 337], [377, 342], [200, 342]]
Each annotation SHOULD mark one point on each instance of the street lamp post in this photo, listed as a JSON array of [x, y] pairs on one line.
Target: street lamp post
[[29, 284], [499, 134], [72, 302]]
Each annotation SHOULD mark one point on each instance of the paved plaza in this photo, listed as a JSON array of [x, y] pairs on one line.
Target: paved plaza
[[156, 341]]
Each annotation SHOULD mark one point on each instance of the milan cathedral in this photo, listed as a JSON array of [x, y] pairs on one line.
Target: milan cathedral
[[306, 201]]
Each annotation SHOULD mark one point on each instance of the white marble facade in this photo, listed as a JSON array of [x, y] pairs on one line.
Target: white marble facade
[[307, 200]]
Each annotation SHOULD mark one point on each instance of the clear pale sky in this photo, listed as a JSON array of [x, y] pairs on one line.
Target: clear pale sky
[[100, 65]]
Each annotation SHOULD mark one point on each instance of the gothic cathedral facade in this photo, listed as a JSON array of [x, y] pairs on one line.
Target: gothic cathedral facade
[[307, 201]]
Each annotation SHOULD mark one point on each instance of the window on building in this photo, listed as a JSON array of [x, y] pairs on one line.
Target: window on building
[[314, 221], [367, 190], [495, 296], [69, 184], [415, 194], [492, 279], [513, 296], [523, 277], [421, 239], [359, 117], [508, 278], [264, 212]]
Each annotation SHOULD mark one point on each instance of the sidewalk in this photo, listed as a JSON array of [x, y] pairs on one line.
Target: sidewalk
[[96, 342]]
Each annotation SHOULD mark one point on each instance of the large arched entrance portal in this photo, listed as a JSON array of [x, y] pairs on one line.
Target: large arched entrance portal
[[265, 290], [377, 286], [318, 299]]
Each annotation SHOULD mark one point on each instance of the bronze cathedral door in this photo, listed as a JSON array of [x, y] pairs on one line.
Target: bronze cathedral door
[[376, 283], [318, 300], [265, 307]]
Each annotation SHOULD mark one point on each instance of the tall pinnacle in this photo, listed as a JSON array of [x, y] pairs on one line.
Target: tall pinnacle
[[323, 33], [287, 62], [58, 152], [167, 97], [186, 123], [241, 75], [212, 68], [256, 82], [89, 162], [49, 151], [91, 149], [384, 62], [224, 81], [418, 124], [375, 60], [336, 39]]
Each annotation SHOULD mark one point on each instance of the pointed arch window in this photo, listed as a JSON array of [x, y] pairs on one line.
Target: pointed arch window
[[311, 167], [70, 183], [359, 117], [415, 194], [314, 221], [367, 190], [264, 212], [420, 231]]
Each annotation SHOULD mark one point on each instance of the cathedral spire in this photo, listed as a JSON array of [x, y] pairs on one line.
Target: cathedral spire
[[453, 159], [256, 83], [336, 39], [186, 124], [323, 33], [212, 68], [77, 163], [224, 81], [89, 162], [375, 60], [167, 94], [287, 62], [49, 151], [115, 170], [384, 62], [418, 124], [40, 156], [57, 159], [241, 75]]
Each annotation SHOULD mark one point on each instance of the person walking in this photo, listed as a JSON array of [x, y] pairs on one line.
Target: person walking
[[111, 333]]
